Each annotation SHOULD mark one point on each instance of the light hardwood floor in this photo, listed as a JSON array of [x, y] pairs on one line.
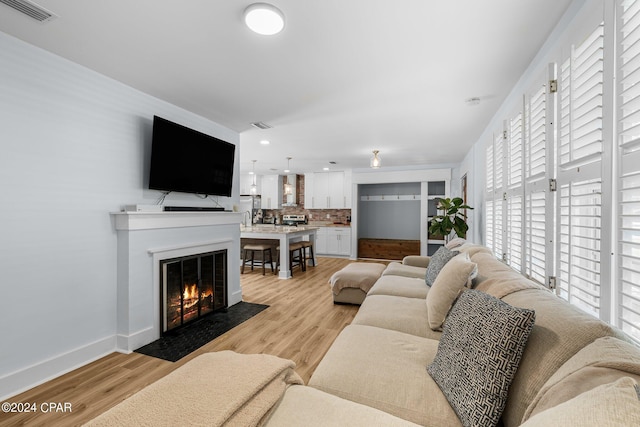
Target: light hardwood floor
[[300, 324]]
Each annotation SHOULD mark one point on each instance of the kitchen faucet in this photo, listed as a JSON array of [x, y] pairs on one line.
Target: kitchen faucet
[[244, 217]]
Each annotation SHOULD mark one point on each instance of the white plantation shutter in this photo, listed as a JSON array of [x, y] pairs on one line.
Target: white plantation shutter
[[513, 193], [538, 203], [580, 235], [488, 225], [496, 194], [535, 236], [628, 283], [514, 232], [581, 103], [489, 228], [580, 172]]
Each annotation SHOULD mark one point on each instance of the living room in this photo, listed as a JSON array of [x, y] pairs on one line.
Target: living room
[[76, 149]]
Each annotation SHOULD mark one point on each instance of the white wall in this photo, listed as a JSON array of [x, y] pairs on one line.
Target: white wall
[[74, 146]]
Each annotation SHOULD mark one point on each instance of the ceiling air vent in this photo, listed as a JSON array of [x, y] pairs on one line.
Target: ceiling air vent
[[259, 125], [30, 9]]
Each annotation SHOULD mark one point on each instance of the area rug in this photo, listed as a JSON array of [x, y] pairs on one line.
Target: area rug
[[177, 344]]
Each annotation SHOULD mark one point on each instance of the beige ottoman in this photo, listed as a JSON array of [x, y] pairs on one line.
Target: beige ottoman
[[351, 284]]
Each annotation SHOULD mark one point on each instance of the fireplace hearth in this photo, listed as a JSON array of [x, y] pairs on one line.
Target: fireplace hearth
[[192, 287]]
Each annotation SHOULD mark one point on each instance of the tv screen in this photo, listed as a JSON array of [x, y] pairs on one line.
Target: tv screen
[[189, 161]]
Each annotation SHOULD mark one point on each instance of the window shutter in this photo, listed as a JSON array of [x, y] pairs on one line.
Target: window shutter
[[513, 203], [536, 201], [580, 224], [581, 103], [628, 86], [580, 172]]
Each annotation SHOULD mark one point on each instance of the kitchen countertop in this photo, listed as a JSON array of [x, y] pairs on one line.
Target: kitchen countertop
[[327, 224], [278, 229]]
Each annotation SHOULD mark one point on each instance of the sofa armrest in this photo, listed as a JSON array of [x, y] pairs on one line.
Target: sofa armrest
[[416, 260]]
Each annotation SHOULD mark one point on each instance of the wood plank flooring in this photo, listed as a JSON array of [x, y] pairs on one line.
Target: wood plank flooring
[[301, 324]]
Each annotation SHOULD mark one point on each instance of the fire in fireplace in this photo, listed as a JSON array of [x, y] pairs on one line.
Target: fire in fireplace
[[192, 287]]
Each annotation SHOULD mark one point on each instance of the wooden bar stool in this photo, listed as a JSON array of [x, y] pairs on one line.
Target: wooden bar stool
[[307, 244], [253, 248], [296, 256]]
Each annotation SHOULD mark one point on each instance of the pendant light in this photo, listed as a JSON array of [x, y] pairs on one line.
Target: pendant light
[[288, 188], [254, 188], [375, 160]]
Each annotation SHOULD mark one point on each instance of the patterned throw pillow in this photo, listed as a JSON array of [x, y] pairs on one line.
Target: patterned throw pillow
[[478, 355], [438, 260]]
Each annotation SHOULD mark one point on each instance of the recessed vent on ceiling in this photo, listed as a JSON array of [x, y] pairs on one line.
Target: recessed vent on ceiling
[[30, 9], [259, 125]]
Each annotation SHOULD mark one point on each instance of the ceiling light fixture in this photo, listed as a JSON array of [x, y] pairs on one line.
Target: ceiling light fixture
[[472, 101], [287, 170], [265, 142], [254, 188], [375, 160], [264, 18]]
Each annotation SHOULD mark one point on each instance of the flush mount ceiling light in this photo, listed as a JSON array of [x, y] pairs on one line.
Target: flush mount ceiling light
[[264, 18], [265, 142], [375, 160]]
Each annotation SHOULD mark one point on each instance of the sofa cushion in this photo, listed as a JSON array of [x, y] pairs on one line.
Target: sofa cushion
[[398, 269], [438, 260], [603, 361], [455, 276], [561, 330], [498, 279], [386, 370], [408, 315], [400, 286], [609, 405], [478, 355], [309, 407]]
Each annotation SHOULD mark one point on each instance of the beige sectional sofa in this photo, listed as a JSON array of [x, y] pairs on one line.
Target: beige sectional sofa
[[574, 369]]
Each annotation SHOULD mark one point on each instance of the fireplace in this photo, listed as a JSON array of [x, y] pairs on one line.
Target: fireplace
[[191, 287]]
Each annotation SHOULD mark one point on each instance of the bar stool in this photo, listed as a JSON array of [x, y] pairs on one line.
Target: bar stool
[[307, 244], [253, 248], [294, 259]]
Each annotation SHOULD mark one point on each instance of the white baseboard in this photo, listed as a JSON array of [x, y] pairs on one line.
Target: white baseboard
[[41, 372]]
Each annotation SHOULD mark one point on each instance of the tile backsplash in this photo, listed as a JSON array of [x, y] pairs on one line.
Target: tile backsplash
[[314, 215]]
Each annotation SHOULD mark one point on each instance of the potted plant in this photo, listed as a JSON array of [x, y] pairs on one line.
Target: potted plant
[[453, 218]]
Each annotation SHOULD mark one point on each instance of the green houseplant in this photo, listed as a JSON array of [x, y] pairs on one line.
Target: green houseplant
[[453, 218]]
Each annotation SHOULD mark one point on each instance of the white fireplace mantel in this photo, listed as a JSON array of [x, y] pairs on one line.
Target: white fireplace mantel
[[144, 238], [150, 220]]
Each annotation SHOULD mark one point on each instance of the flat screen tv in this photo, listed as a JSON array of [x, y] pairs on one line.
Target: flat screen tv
[[189, 161]]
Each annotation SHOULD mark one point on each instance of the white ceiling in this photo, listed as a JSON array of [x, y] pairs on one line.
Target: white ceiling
[[345, 77]]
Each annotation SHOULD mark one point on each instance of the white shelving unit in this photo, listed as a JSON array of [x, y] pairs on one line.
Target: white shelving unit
[[436, 190]]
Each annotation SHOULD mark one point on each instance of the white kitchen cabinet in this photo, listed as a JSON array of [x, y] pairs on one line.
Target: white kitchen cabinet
[[334, 241], [271, 192], [321, 241], [327, 190]]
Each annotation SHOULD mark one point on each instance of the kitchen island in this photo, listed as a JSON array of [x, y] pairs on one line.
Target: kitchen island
[[286, 235]]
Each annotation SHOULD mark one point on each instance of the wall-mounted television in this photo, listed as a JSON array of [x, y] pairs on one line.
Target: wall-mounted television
[[188, 161]]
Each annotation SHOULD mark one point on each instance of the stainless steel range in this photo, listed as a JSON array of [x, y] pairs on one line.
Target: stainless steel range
[[294, 220]]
